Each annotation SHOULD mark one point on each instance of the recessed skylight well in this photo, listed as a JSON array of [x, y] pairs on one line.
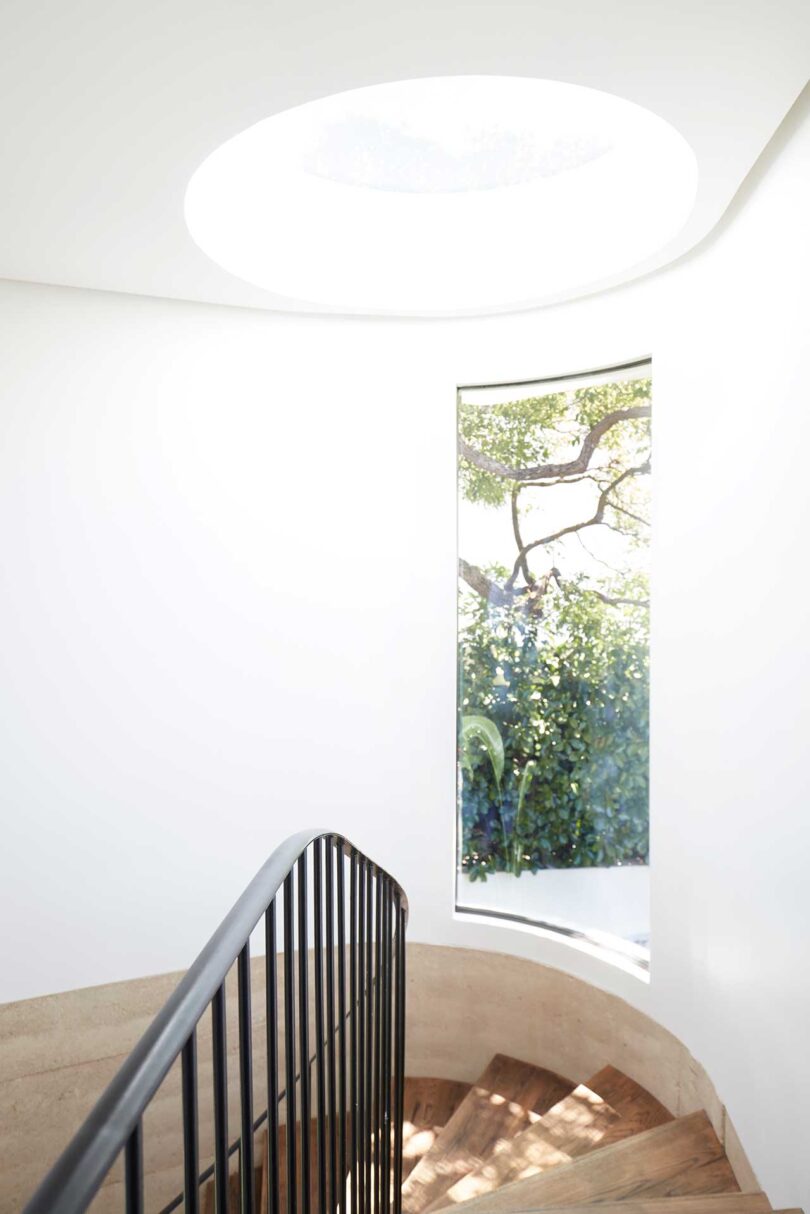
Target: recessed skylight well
[[444, 195]]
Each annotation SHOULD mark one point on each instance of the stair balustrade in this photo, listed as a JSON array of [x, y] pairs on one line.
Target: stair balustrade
[[334, 994]]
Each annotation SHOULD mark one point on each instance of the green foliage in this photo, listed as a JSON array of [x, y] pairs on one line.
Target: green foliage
[[486, 733], [553, 732], [568, 694], [522, 433], [591, 404], [517, 433]]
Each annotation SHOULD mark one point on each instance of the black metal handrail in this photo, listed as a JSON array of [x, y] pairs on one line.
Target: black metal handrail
[[361, 1084]]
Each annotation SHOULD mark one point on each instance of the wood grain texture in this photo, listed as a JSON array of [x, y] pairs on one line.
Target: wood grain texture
[[569, 1129], [208, 1195], [606, 1109], [714, 1203], [456, 1022], [428, 1106], [506, 1098], [681, 1158], [58, 1053], [637, 1109], [207, 1204]]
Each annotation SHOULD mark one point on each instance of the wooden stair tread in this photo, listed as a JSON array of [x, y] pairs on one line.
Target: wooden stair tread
[[677, 1159], [428, 1105], [585, 1120], [506, 1098], [573, 1126], [710, 1203], [207, 1201], [638, 1110]]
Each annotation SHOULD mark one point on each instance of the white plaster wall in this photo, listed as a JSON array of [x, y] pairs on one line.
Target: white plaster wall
[[227, 611]]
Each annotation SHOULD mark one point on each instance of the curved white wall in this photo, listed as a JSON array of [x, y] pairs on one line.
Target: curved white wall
[[228, 610]]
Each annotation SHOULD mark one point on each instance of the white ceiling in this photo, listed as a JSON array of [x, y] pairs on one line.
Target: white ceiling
[[108, 106]]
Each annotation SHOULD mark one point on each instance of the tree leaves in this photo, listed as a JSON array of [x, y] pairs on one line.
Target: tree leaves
[[558, 670], [516, 432], [573, 720]]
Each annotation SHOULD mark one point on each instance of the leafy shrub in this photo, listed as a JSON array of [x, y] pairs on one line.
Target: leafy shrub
[[568, 692]]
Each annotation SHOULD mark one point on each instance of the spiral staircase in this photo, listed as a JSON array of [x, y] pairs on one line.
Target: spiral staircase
[[329, 1029], [522, 1139]]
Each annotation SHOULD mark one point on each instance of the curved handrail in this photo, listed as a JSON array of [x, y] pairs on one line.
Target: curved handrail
[[77, 1175]]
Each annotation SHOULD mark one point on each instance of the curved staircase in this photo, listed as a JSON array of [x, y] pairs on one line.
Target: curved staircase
[[333, 1031], [522, 1138]]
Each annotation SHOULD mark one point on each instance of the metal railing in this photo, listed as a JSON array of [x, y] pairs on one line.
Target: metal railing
[[349, 1087]]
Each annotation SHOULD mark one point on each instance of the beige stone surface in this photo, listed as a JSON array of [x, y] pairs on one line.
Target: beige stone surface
[[58, 1054]]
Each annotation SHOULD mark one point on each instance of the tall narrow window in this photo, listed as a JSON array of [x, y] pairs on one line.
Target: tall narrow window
[[553, 655]]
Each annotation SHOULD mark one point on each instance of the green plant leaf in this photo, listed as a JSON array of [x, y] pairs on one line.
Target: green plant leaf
[[481, 729], [525, 780]]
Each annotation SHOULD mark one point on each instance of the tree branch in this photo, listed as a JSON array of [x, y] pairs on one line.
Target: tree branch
[[524, 565], [478, 581], [617, 601], [594, 521], [546, 471], [530, 598], [629, 513]]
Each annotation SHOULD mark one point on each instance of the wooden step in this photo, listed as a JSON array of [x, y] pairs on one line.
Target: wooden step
[[638, 1110], [506, 1098], [679, 1159], [572, 1127], [713, 1203], [583, 1121], [207, 1196], [428, 1106]]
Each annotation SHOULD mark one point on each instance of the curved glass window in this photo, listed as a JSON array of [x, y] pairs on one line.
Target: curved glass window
[[553, 655]]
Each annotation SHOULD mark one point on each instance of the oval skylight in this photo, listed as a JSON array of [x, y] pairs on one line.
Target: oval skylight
[[445, 195]]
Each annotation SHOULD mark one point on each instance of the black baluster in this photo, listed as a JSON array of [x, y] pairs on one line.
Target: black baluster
[[369, 1031], [271, 1008], [303, 1028], [378, 1043], [320, 1075], [289, 1041], [246, 1175], [386, 1046], [220, 1059], [191, 1139], [385, 1139], [330, 1022], [133, 1170], [353, 1000], [362, 1150], [399, 1052], [341, 976]]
